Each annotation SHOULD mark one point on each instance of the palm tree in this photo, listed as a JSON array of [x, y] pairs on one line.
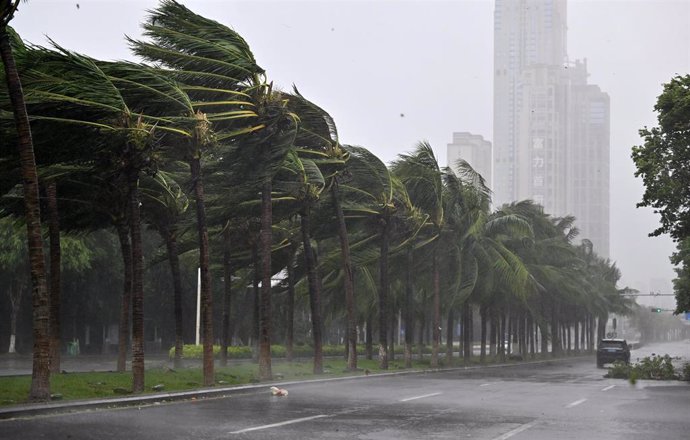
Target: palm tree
[[377, 197], [164, 204], [317, 139], [40, 376], [423, 178], [220, 74]]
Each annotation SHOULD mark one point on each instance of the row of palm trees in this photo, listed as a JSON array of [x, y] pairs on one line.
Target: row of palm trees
[[119, 145]]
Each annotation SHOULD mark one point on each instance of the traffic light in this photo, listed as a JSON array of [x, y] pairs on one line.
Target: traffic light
[[656, 310]]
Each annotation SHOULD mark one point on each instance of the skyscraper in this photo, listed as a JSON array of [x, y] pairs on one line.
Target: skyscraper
[[551, 140], [474, 149]]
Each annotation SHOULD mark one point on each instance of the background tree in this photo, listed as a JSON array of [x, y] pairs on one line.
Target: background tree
[[663, 163]]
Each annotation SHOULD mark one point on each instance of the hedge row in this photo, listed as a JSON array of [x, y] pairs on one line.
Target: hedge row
[[277, 351]]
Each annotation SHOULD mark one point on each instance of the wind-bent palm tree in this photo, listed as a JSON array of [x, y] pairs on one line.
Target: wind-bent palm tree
[[229, 92], [164, 204], [421, 174], [40, 375], [377, 198]]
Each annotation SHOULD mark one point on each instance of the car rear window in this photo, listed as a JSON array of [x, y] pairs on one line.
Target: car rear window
[[611, 344]]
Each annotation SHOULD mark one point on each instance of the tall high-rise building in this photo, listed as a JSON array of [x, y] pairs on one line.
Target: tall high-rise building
[[473, 149], [551, 128]]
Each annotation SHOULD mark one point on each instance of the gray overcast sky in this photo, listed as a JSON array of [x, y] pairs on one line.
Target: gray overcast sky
[[370, 62]]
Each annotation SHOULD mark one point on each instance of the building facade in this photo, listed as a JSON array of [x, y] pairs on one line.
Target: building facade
[[551, 128], [473, 149]]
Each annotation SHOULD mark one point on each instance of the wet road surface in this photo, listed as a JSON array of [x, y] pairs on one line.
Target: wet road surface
[[568, 399]]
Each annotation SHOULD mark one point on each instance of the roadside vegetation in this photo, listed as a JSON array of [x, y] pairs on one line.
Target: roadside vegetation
[[655, 367], [189, 170]]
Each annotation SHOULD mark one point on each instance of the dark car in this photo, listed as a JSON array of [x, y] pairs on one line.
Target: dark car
[[612, 350]]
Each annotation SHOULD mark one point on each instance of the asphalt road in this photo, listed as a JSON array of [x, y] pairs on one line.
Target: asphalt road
[[567, 399]]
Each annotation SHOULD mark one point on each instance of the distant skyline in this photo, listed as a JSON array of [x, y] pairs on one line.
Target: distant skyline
[[393, 73]]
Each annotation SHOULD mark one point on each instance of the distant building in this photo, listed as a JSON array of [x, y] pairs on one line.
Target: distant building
[[473, 149], [551, 128]]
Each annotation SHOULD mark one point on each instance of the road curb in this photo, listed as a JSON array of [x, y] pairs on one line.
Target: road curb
[[51, 408]]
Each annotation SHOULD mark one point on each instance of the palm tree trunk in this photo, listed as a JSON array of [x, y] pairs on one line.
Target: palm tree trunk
[[123, 330], [482, 352], [314, 291], [501, 337], [601, 325], [351, 337], [383, 298], [16, 294], [369, 338], [170, 238], [467, 331], [227, 284], [265, 372], [256, 295], [493, 333], [40, 375], [55, 287], [449, 337], [206, 296], [137, 284], [409, 313], [290, 331], [436, 330]]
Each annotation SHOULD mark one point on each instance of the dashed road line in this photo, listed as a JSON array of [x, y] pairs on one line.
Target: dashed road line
[[608, 388], [419, 397], [275, 425], [517, 430], [575, 403], [485, 385]]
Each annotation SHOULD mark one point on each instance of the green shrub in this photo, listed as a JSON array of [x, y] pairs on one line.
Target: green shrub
[[686, 373], [654, 367], [619, 370]]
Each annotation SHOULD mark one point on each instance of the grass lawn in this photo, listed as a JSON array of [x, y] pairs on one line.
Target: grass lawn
[[14, 390]]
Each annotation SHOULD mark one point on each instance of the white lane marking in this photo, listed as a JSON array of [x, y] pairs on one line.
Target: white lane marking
[[485, 385], [575, 403], [608, 388], [275, 425], [517, 430], [419, 397]]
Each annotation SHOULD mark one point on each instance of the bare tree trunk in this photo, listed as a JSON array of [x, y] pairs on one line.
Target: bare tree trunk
[[40, 375], [55, 272]]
